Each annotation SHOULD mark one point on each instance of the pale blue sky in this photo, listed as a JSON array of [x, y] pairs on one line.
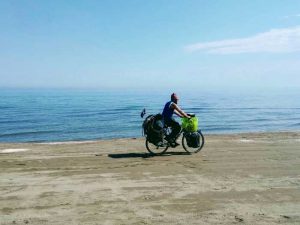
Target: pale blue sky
[[134, 44]]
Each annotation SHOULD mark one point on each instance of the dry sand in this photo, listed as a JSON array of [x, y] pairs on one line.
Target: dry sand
[[235, 179]]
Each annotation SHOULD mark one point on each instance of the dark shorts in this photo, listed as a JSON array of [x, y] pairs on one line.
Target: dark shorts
[[175, 126]]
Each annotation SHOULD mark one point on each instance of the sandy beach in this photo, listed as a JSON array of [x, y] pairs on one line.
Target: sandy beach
[[236, 179]]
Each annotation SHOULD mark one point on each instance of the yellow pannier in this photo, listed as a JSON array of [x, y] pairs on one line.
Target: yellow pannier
[[190, 125]]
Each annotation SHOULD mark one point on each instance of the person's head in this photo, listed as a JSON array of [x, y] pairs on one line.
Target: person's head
[[174, 98]]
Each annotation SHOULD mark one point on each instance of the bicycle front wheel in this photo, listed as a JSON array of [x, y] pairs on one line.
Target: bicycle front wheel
[[155, 149], [192, 149]]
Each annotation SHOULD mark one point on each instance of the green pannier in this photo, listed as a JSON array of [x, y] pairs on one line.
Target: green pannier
[[190, 125]]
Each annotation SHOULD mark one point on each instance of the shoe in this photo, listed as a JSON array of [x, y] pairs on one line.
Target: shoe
[[174, 144], [168, 139]]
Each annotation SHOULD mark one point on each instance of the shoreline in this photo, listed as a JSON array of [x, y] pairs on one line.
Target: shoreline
[[288, 132]]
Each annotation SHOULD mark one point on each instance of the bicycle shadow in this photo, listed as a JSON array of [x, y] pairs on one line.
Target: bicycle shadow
[[143, 155]]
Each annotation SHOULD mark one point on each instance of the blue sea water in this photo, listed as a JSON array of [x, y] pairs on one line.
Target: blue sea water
[[65, 115]]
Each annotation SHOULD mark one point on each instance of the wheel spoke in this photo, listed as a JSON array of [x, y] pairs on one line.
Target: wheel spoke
[[156, 149]]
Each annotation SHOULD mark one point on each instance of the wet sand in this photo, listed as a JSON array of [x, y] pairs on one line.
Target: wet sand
[[235, 179]]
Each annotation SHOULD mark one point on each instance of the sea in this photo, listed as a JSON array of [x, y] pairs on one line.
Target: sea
[[59, 115]]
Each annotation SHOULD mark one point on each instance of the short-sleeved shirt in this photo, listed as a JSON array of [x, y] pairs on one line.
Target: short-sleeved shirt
[[168, 111]]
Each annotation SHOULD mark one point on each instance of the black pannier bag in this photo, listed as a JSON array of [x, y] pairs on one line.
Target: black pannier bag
[[193, 139], [153, 128], [146, 124]]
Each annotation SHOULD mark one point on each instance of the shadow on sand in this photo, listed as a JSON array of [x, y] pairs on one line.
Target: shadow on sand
[[143, 155]]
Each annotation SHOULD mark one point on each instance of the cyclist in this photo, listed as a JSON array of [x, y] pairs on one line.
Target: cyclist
[[170, 108]]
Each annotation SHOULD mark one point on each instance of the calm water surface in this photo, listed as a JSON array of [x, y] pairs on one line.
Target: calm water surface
[[65, 115]]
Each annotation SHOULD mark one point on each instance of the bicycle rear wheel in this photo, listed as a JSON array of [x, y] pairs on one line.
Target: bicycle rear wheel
[[191, 149], [155, 149]]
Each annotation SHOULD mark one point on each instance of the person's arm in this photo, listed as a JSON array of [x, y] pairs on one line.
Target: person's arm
[[179, 112]]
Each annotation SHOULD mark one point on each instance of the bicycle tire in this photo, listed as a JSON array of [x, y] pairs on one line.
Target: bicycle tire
[[193, 150], [158, 151]]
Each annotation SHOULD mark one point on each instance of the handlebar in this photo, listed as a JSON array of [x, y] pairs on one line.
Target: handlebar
[[191, 114]]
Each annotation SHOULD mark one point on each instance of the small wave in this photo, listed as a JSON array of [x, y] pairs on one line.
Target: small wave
[[258, 120], [123, 109], [219, 129], [225, 108], [131, 107], [67, 142], [6, 107], [81, 115], [240, 108], [192, 109], [27, 133], [295, 125], [17, 121]]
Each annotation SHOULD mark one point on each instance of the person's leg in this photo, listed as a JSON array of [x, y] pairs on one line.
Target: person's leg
[[176, 128]]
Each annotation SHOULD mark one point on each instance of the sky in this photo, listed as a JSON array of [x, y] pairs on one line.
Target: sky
[[146, 44]]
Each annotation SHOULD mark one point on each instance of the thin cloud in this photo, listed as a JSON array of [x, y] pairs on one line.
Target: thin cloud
[[273, 41], [292, 16]]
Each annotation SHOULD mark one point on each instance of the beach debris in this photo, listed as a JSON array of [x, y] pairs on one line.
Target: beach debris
[[246, 140], [147, 197], [284, 216], [238, 219], [12, 150]]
